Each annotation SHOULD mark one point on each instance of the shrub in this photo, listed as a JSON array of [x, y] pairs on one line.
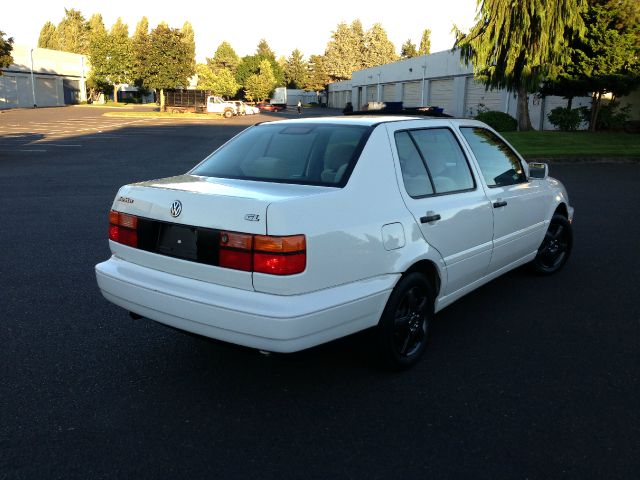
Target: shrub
[[566, 119], [610, 117], [500, 121]]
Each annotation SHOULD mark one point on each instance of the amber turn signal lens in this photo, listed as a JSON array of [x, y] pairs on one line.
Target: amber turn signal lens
[[293, 243], [241, 241]]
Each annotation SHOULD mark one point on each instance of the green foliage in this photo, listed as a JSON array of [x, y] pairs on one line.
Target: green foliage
[[318, 74], [120, 59], [140, 51], [250, 65], [425, 43], [295, 70], [73, 32], [189, 40], [515, 44], [611, 117], [379, 50], [224, 57], [259, 86], [5, 51], [48, 37], [565, 119], [500, 121], [345, 51], [220, 82], [168, 62], [408, 49]]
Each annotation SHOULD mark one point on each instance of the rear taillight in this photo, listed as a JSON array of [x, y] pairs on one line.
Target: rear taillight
[[263, 253], [123, 228]]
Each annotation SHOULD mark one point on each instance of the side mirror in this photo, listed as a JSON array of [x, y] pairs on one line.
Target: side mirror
[[539, 171]]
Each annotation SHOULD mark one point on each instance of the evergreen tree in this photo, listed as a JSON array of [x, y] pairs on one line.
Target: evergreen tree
[[264, 51], [318, 74], [345, 51], [73, 32], [425, 43], [250, 65], [295, 70], [516, 43], [224, 57], [99, 52], [259, 86], [48, 37], [379, 50], [6, 46], [409, 49]]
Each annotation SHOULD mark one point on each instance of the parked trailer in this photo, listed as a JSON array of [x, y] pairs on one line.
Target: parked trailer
[[283, 96]]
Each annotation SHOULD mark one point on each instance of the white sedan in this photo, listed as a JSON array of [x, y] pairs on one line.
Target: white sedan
[[298, 232]]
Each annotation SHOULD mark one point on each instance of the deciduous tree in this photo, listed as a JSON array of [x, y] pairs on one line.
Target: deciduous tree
[[259, 86], [140, 51], [516, 43], [120, 57], [345, 51], [224, 57], [73, 32], [379, 50], [6, 46], [220, 82]]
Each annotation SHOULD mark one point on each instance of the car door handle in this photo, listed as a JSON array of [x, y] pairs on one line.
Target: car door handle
[[430, 218], [499, 204]]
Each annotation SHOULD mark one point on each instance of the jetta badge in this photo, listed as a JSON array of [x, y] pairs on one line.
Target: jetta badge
[[176, 208]]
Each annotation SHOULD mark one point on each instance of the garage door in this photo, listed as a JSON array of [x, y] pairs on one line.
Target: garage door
[[25, 95], [46, 92], [441, 94], [389, 92], [475, 95], [372, 93], [411, 94], [8, 91]]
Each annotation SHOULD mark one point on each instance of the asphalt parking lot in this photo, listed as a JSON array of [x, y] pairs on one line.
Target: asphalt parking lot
[[527, 377]]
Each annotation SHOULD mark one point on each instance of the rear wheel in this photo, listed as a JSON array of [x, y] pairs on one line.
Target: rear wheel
[[404, 326], [228, 113], [555, 248]]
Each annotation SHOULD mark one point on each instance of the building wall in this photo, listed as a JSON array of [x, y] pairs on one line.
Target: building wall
[[441, 80], [58, 78]]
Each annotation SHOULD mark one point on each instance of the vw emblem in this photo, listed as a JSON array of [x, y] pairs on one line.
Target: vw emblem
[[176, 208]]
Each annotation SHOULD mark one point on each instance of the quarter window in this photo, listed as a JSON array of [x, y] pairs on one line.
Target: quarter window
[[499, 164], [414, 173]]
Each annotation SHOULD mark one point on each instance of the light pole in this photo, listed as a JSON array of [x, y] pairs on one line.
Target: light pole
[[379, 87], [33, 86], [424, 71]]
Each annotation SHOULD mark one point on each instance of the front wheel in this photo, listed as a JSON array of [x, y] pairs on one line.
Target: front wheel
[[404, 326], [228, 113], [555, 248]]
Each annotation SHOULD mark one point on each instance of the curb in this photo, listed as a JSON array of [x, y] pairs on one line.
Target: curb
[[584, 160]]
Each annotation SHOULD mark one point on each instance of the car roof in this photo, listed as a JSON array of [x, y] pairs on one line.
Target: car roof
[[371, 120]]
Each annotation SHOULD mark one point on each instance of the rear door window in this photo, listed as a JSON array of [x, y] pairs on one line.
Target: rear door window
[[315, 154]]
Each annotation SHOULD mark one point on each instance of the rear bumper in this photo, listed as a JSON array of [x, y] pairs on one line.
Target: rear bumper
[[268, 322]]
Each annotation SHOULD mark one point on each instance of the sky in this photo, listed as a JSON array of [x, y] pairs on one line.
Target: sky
[[285, 24]]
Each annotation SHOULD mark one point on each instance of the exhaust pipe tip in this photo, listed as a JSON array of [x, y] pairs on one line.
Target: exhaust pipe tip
[[135, 316]]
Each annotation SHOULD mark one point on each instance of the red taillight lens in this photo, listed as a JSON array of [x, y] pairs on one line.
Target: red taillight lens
[[123, 228], [275, 264], [238, 260]]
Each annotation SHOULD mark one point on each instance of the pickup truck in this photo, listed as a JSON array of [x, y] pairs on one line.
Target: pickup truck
[[198, 101]]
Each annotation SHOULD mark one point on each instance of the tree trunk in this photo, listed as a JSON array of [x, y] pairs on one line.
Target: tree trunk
[[162, 99], [595, 109], [115, 93], [569, 103], [524, 122]]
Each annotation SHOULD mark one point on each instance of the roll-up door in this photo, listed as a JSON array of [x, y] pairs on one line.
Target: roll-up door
[[8, 91], [389, 92], [476, 95], [46, 92], [411, 94], [441, 94], [372, 93]]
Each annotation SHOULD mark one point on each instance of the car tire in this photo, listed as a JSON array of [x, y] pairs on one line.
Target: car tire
[[403, 329], [228, 113], [555, 248]]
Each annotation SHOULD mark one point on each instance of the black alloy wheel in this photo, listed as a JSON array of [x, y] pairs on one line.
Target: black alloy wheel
[[555, 248], [404, 326]]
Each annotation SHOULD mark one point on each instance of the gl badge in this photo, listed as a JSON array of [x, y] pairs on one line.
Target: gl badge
[[176, 208], [252, 217]]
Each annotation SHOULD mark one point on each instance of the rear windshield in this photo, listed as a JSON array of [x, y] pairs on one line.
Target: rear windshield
[[317, 154]]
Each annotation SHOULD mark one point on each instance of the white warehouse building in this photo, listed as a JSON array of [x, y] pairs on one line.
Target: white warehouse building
[[43, 78], [439, 80]]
